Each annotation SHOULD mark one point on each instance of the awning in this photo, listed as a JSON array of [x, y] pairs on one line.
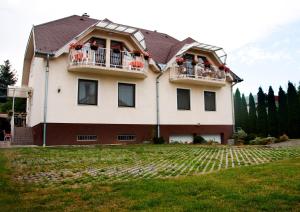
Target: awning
[[218, 51], [134, 32], [21, 92]]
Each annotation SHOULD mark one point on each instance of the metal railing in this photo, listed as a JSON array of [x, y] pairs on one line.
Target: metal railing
[[118, 59], [198, 71]]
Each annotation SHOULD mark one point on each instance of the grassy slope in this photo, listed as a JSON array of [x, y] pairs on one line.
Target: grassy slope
[[274, 186]]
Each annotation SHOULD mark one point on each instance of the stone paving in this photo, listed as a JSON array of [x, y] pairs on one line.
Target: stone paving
[[182, 160]]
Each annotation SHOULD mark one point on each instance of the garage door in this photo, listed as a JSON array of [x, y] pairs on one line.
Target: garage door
[[212, 137], [181, 139]]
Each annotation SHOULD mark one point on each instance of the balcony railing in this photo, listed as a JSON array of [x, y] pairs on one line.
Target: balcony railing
[[96, 60], [197, 74]]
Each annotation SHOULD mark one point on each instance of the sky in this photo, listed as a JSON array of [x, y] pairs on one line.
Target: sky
[[261, 37]]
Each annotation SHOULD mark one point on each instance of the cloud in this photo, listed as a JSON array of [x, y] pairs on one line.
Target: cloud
[[252, 54]]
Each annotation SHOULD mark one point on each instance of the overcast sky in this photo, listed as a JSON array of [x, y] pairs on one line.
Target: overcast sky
[[261, 37]]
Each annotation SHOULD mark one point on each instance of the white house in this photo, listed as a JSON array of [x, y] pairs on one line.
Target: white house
[[93, 83]]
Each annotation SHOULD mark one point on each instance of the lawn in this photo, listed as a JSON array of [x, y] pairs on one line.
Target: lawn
[[150, 177]]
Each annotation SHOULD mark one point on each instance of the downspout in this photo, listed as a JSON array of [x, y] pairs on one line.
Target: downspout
[[232, 102], [46, 100], [157, 105]]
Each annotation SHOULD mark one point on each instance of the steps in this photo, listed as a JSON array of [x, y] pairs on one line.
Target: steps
[[4, 144], [23, 136]]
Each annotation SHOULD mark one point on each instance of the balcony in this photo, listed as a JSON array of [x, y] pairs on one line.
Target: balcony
[[113, 63], [198, 74]]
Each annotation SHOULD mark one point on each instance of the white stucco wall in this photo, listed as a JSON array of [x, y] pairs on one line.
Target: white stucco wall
[[63, 107], [171, 115], [37, 82]]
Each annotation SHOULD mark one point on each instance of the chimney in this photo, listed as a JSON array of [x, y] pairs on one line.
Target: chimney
[[85, 15]]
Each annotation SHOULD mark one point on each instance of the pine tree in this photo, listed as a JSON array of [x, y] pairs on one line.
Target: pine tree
[[282, 112], [244, 114], [237, 108], [252, 115], [293, 111], [272, 113], [7, 77], [262, 118]]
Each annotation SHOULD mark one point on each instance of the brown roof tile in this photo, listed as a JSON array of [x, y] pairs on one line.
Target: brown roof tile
[[51, 36]]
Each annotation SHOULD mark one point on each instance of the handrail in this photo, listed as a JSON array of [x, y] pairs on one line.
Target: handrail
[[118, 59], [198, 71]]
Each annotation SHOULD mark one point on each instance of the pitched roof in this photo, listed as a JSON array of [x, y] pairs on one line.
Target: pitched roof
[[51, 36]]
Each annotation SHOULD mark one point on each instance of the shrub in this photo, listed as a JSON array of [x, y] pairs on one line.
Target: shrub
[[212, 142], [158, 140], [263, 141], [199, 140], [284, 137], [239, 135]]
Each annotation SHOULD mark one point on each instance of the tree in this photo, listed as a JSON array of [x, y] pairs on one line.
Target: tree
[[7, 77], [252, 115], [244, 114], [282, 112], [237, 108], [293, 111], [262, 118], [272, 113]]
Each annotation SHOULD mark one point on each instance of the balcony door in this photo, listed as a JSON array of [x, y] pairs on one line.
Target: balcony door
[[188, 61], [100, 55], [116, 54]]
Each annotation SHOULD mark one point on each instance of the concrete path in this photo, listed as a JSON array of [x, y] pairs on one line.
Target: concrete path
[[290, 143]]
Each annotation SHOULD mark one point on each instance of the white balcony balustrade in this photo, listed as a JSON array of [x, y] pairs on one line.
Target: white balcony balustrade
[[121, 63], [197, 74]]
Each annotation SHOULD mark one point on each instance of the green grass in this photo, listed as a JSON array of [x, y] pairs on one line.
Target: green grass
[[272, 186]]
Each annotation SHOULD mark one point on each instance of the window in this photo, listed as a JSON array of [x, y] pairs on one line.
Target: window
[[183, 99], [86, 138], [126, 94], [126, 137], [210, 101], [87, 92]]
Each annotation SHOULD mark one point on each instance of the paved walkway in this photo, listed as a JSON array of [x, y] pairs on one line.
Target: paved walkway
[[290, 143]]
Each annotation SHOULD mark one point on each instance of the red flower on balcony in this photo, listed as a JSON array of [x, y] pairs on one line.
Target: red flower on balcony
[[136, 53], [146, 55], [76, 46], [179, 60], [225, 68], [207, 64]]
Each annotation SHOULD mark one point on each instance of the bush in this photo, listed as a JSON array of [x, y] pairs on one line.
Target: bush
[[239, 136], [199, 140], [158, 140], [263, 141], [212, 142], [284, 137]]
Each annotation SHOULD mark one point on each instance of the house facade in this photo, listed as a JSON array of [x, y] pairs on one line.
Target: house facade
[[99, 82]]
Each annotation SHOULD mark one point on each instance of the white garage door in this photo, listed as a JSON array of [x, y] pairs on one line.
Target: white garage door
[[181, 139], [212, 137]]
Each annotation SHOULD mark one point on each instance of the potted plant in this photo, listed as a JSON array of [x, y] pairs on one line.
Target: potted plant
[[94, 45], [146, 55], [136, 53], [224, 68], [179, 61], [76, 46], [207, 64]]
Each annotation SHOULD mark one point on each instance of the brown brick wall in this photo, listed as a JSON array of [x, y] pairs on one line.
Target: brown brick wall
[[66, 134]]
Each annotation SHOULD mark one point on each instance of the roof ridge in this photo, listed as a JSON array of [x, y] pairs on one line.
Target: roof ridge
[[60, 19]]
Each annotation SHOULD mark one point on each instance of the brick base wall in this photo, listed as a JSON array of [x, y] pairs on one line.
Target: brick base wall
[[66, 134]]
